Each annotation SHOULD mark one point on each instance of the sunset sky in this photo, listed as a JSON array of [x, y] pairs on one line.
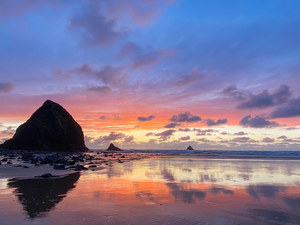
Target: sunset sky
[[156, 74]]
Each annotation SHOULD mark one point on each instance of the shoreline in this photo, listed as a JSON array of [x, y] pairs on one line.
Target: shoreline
[[30, 164], [220, 156], [33, 164]]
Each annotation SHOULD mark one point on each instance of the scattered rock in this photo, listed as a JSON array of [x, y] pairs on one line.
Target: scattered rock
[[59, 167], [50, 128], [80, 167], [71, 162], [34, 161], [26, 156]]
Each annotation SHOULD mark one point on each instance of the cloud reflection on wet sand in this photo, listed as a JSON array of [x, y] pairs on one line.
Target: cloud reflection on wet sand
[[175, 191]]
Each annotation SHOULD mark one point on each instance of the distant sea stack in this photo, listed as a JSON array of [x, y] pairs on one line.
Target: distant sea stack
[[113, 148], [50, 128], [189, 148]]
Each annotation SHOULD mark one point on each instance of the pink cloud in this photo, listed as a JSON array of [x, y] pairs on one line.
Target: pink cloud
[[108, 74], [152, 58], [95, 29], [140, 12], [193, 77], [129, 49], [15, 8], [6, 86]]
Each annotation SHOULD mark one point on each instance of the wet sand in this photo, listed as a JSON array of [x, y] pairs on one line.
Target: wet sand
[[24, 166], [159, 189]]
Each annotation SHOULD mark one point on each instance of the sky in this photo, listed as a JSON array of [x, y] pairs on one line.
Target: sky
[[156, 74]]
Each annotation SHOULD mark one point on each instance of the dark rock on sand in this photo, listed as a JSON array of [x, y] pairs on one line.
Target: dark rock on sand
[[189, 148], [70, 162], [46, 175], [59, 167], [113, 148], [50, 128], [80, 167], [27, 156]]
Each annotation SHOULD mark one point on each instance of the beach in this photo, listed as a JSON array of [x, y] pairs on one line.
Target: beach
[[156, 189]]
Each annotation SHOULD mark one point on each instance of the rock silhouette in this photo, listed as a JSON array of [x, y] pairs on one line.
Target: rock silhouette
[[50, 128], [189, 148], [113, 148], [40, 195]]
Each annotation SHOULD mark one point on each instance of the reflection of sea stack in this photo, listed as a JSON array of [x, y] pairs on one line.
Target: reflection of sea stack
[[189, 148], [40, 195], [113, 148], [50, 128]]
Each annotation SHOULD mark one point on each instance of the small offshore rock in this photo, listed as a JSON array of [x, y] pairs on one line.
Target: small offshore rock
[[112, 147], [189, 148]]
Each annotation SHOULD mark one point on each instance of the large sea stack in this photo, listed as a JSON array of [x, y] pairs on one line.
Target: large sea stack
[[50, 128]]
